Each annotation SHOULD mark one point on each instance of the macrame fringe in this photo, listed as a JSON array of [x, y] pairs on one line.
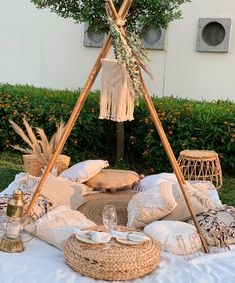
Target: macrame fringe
[[117, 99]]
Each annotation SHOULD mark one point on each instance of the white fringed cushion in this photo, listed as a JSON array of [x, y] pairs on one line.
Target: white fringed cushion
[[83, 171], [211, 190], [57, 225], [199, 198], [156, 179], [60, 192], [151, 205], [174, 236]]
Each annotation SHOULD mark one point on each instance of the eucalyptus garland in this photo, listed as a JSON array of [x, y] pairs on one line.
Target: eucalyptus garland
[[124, 55]]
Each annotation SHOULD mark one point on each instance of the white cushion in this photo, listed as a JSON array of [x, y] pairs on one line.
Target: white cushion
[[29, 183], [154, 180], [211, 189], [174, 236], [199, 198], [198, 195], [58, 225], [61, 193], [145, 207], [83, 171]]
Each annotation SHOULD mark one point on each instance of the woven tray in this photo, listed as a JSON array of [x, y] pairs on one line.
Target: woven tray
[[120, 262], [95, 203]]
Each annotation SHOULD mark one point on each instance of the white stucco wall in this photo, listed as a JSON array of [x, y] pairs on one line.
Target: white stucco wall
[[198, 74], [41, 49]]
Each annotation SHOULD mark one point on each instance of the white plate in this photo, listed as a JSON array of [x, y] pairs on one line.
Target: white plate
[[128, 242], [88, 241]]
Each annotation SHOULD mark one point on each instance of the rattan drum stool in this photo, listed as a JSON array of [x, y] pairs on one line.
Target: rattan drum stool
[[119, 263], [201, 165]]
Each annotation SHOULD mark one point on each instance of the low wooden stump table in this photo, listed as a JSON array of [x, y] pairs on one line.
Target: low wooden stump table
[[119, 262]]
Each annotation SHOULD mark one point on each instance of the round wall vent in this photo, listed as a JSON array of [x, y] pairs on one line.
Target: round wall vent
[[151, 35], [95, 37], [213, 33]]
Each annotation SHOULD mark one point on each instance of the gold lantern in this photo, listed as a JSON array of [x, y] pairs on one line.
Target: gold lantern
[[11, 224]]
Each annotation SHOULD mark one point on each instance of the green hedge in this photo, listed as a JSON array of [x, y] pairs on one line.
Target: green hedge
[[188, 124]]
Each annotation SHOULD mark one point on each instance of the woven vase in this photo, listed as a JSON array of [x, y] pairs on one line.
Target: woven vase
[[34, 167]]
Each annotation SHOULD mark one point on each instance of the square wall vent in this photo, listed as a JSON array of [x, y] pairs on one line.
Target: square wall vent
[[213, 35], [91, 38], [153, 38]]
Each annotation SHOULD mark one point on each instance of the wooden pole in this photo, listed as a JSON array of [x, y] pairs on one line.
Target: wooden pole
[[112, 8], [103, 53], [173, 160]]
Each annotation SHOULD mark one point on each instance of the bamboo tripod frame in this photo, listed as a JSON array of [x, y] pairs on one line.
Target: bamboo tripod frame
[[76, 111]]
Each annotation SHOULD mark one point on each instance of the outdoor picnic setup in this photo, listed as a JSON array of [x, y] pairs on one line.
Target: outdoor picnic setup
[[91, 223]]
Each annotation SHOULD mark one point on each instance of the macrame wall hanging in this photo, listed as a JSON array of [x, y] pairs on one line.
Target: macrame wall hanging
[[117, 99]]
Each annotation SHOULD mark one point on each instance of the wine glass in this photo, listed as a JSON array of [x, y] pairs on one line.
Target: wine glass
[[109, 217]]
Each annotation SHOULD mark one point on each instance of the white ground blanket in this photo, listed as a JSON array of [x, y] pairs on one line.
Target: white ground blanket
[[41, 262]]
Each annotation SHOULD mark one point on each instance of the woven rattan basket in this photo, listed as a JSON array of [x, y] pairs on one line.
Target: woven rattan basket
[[201, 165], [120, 262], [33, 166]]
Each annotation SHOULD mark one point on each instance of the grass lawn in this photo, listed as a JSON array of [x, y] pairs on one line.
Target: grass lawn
[[11, 164]]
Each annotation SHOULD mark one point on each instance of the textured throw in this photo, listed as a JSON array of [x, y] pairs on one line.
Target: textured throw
[[117, 98], [218, 225]]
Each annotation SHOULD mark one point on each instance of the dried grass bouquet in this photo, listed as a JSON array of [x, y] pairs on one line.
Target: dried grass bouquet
[[42, 148]]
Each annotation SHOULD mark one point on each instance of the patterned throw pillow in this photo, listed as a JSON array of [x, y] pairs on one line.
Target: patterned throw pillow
[[3, 204], [218, 225], [41, 207]]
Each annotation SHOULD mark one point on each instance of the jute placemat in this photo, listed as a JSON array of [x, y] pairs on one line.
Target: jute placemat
[[95, 203], [119, 262]]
